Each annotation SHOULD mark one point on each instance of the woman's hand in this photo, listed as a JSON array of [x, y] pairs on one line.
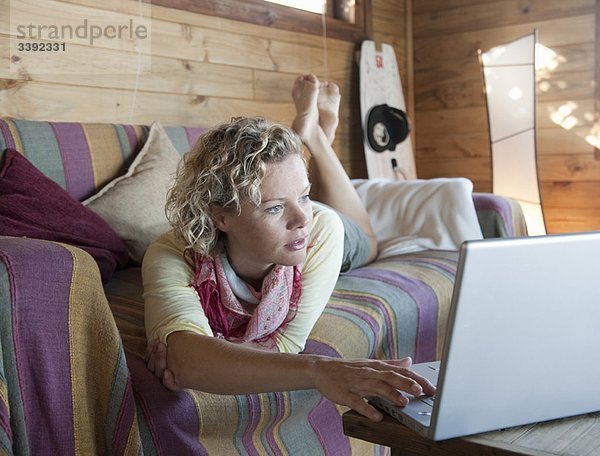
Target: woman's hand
[[349, 382], [156, 360]]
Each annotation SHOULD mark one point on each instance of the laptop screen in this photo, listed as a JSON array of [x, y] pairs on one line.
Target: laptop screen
[[524, 334]]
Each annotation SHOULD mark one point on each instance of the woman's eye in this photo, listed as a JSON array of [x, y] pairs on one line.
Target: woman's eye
[[305, 199], [274, 209]]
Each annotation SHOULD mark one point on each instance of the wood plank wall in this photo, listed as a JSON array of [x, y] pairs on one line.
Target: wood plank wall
[[452, 131], [207, 69], [203, 70]]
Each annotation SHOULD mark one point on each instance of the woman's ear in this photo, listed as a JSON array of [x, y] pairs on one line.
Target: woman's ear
[[220, 217]]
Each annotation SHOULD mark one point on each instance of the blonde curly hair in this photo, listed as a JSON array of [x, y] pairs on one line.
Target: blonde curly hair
[[225, 167]]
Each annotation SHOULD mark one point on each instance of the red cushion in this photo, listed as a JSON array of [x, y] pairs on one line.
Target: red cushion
[[32, 205]]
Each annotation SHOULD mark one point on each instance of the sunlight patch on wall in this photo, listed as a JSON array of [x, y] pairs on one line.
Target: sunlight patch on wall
[[563, 115], [569, 114], [546, 60]]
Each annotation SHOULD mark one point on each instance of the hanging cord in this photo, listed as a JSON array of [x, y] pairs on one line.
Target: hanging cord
[[324, 26], [138, 70]]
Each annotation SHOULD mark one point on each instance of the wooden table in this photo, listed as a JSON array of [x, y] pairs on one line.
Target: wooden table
[[577, 436]]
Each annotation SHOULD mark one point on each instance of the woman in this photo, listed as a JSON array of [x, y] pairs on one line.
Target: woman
[[238, 284]]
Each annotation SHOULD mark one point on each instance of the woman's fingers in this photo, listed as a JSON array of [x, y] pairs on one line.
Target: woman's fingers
[[396, 374], [364, 408], [402, 362], [150, 349], [150, 355], [417, 384], [392, 394], [426, 386], [378, 388], [156, 358], [355, 398], [345, 382], [405, 380], [168, 381], [160, 359]]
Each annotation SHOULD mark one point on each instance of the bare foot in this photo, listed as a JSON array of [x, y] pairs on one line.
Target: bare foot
[[328, 104], [305, 93]]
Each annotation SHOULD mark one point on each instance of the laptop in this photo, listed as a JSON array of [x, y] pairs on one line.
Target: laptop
[[523, 338]]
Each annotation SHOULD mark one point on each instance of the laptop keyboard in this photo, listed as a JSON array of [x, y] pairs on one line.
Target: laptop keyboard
[[429, 400]]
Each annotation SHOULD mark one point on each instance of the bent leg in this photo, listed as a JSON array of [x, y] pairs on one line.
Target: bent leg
[[317, 107]]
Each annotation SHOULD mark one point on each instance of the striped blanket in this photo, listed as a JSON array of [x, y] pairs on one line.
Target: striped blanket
[[72, 376], [388, 309], [73, 380], [65, 387]]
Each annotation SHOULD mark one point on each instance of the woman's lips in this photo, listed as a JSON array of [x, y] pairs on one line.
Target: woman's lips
[[298, 244]]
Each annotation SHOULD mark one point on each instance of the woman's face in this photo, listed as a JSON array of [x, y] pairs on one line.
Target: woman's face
[[276, 232]]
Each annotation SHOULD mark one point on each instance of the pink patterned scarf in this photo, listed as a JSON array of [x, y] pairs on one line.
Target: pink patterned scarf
[[279, 298]]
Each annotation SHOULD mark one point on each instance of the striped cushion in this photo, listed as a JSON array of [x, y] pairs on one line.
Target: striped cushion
[[83, 157]]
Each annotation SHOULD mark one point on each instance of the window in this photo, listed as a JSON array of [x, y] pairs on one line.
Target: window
[[314, 6], [346, 19], [339, 9]]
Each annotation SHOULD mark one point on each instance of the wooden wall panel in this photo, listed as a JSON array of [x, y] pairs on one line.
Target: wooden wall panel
[[440, 147], [557, 141], [93, 104], [571, 219], [453, 135], [576, 195], [167, 75], [452, 18], [198, 70], [430, 50]]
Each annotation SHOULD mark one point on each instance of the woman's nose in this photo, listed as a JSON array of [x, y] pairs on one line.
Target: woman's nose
[[299, 218]]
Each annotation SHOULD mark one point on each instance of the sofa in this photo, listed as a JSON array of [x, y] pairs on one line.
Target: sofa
[[72, 374]]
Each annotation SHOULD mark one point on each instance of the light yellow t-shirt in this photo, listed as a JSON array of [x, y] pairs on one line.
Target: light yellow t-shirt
[[172, 304]]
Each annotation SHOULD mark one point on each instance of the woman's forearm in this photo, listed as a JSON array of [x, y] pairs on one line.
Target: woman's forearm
[[218, 366]]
